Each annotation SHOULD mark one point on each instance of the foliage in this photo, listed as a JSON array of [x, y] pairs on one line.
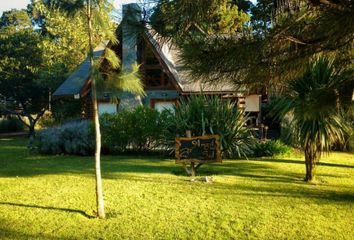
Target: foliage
[[96, 14], [144, 128], [212, 115], [11, 125], [248, 199], [137, 130], [174, 18], [279, 43], [66, 109], [115, 136], [15, 19], [62, 47], [47, 120], [114, 82], [21, 60], [270, 148], [349, 118], [74, 138], [261, 17], [313, 101]]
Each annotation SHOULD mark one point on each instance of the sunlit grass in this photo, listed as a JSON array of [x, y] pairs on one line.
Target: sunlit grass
[[52, 197]]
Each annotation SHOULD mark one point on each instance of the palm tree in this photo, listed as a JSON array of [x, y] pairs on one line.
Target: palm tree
[[312, 100], [98, 26]]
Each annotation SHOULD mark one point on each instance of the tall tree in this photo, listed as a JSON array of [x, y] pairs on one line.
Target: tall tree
[[282, 37], [99, 26], [21, 60], [174, 18], [63, 47]]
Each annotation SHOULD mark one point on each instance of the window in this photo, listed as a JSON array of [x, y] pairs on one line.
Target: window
[[161, 105], [107, 108]]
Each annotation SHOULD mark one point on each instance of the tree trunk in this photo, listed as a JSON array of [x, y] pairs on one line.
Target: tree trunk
[[193, 172], [311, 156], [99, 190], [31, 134], [309, 171]]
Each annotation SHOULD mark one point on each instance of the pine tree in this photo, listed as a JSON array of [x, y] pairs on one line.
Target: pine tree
[[99, 26]]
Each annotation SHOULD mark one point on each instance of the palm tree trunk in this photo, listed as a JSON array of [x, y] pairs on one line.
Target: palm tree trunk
[[310, 162], [99, 190]]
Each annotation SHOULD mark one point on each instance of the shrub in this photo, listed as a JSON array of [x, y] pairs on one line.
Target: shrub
[[270, 148], [49, 141], [204, 115], [71, 138], [137, 130], [11, 125], [115, 136], [144, 129]]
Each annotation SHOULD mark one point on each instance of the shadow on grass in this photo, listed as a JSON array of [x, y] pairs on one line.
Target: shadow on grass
[[48, 208], [286, 192], [113, 166], [299, 162], [15, 234]]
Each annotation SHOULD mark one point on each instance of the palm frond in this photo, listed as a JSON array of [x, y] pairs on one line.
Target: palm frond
[[112, 58], [312, 99]]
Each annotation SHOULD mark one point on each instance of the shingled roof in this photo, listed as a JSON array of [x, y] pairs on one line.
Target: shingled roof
[[74, 84], [170, 55]]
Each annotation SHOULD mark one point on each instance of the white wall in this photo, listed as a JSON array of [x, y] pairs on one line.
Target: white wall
[[253, 103]]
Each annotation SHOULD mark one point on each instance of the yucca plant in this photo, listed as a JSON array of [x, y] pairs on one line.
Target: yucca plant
[[204, 115], [312, 99]]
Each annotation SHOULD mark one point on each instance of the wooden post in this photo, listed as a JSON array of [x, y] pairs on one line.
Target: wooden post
[[192, 170], [188, 133]]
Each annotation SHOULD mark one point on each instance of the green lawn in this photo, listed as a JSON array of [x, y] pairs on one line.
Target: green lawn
[[52, 197]]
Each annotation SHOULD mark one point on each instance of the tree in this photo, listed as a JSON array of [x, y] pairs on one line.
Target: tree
[[63, 47], [174, 18], [98, 26], [15, 19], [312, 100], [21, 59], [283, 36]]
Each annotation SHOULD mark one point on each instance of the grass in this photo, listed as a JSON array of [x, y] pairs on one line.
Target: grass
[[52, 197]]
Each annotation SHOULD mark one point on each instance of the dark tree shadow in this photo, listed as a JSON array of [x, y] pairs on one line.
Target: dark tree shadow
[[300, 162], [82, 213]]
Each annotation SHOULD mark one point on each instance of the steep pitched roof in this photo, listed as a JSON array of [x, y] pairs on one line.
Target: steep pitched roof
[[170, 55], [74, 84]]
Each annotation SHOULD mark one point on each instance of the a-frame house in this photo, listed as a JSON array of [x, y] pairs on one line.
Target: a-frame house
[[165, 80]]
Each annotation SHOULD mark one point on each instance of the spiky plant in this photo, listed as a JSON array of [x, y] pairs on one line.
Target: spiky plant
[[312, 99], [204, 115]]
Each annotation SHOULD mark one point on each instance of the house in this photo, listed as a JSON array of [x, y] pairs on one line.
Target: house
[[165, 80]]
